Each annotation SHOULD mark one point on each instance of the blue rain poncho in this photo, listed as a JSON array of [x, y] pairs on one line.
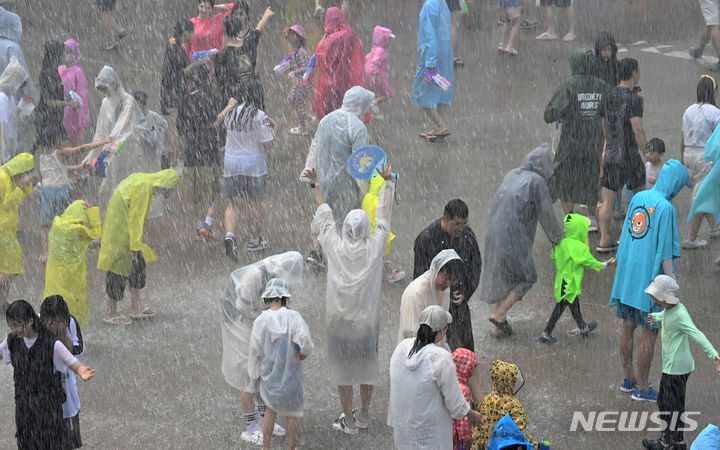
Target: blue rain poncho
[[339, 134], [707, 199], [649, 236], [434, 50], [521, 201], [274, 358], [241, 304]]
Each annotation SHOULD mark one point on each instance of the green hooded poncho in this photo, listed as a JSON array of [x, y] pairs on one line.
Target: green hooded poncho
[[572, 255]]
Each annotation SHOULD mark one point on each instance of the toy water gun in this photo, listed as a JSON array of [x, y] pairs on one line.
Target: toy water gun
[[204, 54], [544, 445], [99, 164], [117, 147], [464, 7], [74, 96], [283, 65], [301, 354], [307, 76], [439, 80]]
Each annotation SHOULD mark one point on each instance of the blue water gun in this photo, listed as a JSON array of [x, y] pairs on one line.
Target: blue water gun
[[307, 76], [204, 54]]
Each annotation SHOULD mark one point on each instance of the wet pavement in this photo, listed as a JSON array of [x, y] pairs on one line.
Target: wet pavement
[[158, 383]]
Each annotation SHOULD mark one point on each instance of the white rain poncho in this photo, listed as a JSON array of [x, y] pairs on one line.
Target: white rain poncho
[[276, 339], [422, 293], [11, 79], [425, 397], [354, 277], [10, 37], [121, 118], [521, 201], [339, 134], [241, 304]]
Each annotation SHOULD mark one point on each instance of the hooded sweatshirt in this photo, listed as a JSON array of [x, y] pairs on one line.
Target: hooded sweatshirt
[[572, 255], [122, 232], [425, 396], [500, 401], [649, 236], [376, 63], [606, 70], [11, 196]]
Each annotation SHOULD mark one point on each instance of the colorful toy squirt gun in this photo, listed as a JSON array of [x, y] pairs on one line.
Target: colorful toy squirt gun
[[439, 80], [204, 54], [283, 65], [307, 76]]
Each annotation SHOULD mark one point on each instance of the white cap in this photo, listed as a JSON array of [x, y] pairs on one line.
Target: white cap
[[665, 289], [435, 317], [276, 288]]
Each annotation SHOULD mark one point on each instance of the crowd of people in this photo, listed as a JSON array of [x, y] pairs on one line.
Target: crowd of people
[[211, 96]]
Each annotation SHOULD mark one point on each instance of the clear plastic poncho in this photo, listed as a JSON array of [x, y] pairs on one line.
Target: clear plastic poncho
[[11, 79], [354, 278], [277, 339], [241, 304], [121, 117]]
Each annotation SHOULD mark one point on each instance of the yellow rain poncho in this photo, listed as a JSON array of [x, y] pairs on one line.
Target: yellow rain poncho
[[11, 254], [66, 272], [125, 219], [369, 205]]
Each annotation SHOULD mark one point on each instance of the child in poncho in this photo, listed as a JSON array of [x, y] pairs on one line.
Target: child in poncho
[[466, 363], [572, 255], [279, 341], [377, 75]]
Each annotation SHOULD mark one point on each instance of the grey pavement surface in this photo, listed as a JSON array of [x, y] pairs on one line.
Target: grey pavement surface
[[158, 383]]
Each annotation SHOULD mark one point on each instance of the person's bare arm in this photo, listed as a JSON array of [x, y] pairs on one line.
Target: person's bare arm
[[311, 173], [220, 117], [682, 148], [82, 371], [266, 16], [604, 128], [220, 7], [637, 127]]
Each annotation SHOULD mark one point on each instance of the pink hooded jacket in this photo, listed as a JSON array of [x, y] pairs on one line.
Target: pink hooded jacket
[[376, 64]]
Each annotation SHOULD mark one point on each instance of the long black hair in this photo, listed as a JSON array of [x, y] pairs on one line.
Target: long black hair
[[244, 119], [53, 307], [425, 336], [706, 88], [181, 27], [52, 53], [21, 311]]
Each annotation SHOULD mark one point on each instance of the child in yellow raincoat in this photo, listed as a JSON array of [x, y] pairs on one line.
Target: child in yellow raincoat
[[66, 272], [15, 185], [369, 205], [122, 250]]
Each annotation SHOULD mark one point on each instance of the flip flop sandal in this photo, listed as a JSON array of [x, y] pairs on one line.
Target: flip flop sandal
[[525, 25], [503, 326], [146, 313], [569, 37], [117, 320], [607, 248], [546, 37]]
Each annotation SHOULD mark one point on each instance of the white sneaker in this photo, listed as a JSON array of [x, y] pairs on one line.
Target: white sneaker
[[340, 425], [697, 243], [255, 438], [278, 430]]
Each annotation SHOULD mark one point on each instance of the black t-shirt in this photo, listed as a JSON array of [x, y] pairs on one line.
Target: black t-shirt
[[48, 120], [235, 66], [618, 107], [196, 114], [173, 85]]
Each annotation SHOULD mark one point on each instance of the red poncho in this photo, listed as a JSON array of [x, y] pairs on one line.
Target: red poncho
[[340, 64]]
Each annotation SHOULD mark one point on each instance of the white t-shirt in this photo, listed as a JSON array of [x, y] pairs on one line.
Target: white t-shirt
[[71, 407], [699, 123], [62, 358], [243, 153]]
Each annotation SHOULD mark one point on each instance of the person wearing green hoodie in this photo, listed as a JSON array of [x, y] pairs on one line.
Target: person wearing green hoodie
[[572, 255], [575, 105]]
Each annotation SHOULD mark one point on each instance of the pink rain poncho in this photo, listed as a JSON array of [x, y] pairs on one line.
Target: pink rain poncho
[[377, 75], [75, 121]]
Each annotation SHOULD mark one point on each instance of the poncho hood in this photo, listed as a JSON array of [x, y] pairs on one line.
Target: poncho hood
[[503, 377], [167, 178], [576, 227], [10, 25], [539, 161], [507, 434], [21, 163], [673, 177], [465, 362], [75, 213], [438, 262], [74, 48], [418, 357], [13, 76], [278, 323], [335, 20], [605, 38], [357, 100], [381, 36], [581, 61], [108, 78], [356, 225]]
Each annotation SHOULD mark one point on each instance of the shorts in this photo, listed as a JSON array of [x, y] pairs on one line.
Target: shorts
[[513, 12], [558, 3], [710, 11], [105, 5], [453, 5], [200, 184], [53, 201], [115, 284], [241, 186], [626, 312], [630, 173], [698, 168], [72, 432]]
